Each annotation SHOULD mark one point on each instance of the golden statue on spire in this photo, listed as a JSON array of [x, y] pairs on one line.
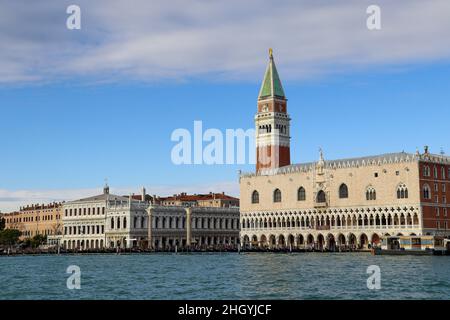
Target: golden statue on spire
[[270, 53]]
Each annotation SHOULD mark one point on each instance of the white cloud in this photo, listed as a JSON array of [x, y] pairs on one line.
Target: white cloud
[[12, 200], [182, 39]]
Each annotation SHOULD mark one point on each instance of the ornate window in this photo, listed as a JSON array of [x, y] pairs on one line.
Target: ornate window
[[426, 171], [321, 197], [402, 192], [343, 191], [371, 194], [301, 194], [426, 192], [255, 197], [277, 195]]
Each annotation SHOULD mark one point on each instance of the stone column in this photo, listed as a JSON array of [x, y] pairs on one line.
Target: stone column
[[150, 211], [420, 217], [188, 227]]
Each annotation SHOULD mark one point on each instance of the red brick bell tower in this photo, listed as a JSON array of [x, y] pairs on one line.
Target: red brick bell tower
[[272, 122]]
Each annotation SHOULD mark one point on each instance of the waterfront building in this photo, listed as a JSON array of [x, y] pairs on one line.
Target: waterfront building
[[111, 221], [339, 203], [36, 219], [194, 227], [126, 222], [85, 221], [210, 200]]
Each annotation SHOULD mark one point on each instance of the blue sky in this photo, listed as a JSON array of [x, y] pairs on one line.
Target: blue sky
[[65, 131]]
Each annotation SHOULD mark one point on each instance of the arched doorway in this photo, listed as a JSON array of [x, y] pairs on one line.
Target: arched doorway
[[352, 242], [281, 241], [320, 242], [246, 243], [375, 240], [310, 241], [254, 241], [263, 242], [272, 241], [341, 240], [291, 241], [364, 240], [331, 243], [301, 240]]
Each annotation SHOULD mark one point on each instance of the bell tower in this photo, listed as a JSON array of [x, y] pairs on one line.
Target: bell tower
[[272, 122]]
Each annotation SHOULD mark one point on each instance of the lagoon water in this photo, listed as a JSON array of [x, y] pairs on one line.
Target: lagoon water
[[225, 276]]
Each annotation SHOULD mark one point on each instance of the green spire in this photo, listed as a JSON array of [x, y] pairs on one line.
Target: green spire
[[271, 86]]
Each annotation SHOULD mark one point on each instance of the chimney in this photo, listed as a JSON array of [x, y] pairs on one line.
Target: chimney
[[143, 194], [426, 149]]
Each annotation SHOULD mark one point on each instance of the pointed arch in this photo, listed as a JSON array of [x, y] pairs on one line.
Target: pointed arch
[[371, 193], [301, 194], [277, 195], [255, 197], [321, 197], [402, 191], [343, 191], [426, 190]]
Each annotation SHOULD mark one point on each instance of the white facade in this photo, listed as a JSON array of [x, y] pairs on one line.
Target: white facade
[[110, 221], [126, 223], [196, 227], [102, 221]]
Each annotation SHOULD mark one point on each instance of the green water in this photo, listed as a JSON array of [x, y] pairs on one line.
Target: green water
[[225, 276]]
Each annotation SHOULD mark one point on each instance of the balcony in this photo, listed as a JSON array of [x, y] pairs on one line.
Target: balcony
[[321, 204]]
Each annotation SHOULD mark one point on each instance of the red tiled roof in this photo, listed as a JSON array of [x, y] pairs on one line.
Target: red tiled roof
[[199, 197], [41, 206]]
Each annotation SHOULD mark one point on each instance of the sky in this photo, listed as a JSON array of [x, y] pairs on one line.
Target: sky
[[81, 106]]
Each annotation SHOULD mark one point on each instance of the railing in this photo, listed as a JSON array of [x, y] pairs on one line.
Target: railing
[[324, 228]]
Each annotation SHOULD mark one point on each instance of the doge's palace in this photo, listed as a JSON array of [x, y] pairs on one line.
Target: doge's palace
[[335, 204]]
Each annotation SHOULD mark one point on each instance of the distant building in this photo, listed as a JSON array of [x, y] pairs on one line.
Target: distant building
[[126, 222], [84, 221], [195, 227], [36, 219], [211, 200], [111, 221], [338, 203]]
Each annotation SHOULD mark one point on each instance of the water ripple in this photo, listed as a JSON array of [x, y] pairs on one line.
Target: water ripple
[[224, 276]]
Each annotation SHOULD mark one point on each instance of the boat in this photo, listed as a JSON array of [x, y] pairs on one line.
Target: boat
[[381, 252], [413, 245]]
